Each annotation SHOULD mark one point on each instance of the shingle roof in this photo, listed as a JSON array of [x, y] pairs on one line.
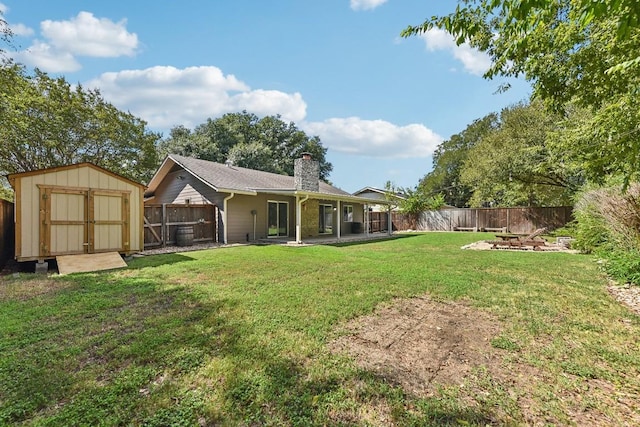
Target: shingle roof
[[226, 177]]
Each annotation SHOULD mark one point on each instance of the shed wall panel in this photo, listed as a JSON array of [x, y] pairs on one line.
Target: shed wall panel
[[84, 177]]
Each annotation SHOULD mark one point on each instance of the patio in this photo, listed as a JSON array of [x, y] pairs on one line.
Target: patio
[[329, 239]]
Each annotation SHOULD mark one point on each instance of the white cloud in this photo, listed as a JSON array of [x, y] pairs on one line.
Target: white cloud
[[87, 35], [43, 56], [474, 61], [83, 35], [366, 4], [166, 96], [21, 30], [4, 8], [374, 138]]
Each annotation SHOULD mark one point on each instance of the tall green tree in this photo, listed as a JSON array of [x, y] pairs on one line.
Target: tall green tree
[[448, 160], [268, 143], [46, 123], [520, 163], [574, 52]]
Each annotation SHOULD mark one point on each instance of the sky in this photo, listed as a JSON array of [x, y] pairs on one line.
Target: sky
[[338, 69]]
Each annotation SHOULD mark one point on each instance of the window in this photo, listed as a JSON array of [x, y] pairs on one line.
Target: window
[[348, 213]]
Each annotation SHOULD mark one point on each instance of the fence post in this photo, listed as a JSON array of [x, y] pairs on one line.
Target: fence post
[[163, 222]]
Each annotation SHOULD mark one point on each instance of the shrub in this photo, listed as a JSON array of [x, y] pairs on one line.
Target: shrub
[[608, 224]]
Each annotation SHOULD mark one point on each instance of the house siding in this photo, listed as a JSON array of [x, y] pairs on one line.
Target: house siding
[[241, 220], [180, 185]]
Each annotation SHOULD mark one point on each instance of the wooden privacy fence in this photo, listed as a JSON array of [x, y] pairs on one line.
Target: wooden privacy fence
[[378, 221], [7, 240], [161, 223], [513, 220]]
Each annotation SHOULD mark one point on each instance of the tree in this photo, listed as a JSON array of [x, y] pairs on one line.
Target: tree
[[268, 144], [5, 34], [416, 202], [448, 160], [47, 123], [520, 163], [575, 52]]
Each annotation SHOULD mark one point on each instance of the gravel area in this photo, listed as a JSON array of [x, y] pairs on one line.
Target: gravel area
[[627, 295]]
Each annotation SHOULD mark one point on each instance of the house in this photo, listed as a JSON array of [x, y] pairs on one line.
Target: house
[[383, 196], [255, 205], [76, 209]]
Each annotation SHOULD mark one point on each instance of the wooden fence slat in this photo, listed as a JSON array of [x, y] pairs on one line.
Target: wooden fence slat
[[7, 230], [168, 217], [516, 220]]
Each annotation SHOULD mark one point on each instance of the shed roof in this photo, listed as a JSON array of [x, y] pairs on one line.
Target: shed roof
[[11, 177]]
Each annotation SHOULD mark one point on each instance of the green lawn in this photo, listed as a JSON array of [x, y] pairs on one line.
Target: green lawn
[[238, 336]]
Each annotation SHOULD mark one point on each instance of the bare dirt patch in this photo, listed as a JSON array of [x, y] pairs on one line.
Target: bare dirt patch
[[418, 342], [427, 347]]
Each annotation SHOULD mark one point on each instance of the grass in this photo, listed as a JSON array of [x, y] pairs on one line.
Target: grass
[[238, 336]]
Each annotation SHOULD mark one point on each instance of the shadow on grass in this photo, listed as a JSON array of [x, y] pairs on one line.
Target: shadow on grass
[[112, 350], [156, 260], [101, 353]]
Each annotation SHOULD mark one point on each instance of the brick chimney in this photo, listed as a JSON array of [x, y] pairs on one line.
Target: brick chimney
[[306, 173]]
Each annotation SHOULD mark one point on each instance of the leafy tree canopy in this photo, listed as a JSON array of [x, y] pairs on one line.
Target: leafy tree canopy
[[268, 144], [448, 160], [520, 162], [47, 123], [574, 52]]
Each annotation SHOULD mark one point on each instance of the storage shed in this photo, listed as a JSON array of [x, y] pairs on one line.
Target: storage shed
[[76, 209]]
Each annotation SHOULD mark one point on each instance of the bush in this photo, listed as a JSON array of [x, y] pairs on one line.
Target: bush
[[608, 224]]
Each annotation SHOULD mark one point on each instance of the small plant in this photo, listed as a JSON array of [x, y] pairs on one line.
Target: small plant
[[504, 343]]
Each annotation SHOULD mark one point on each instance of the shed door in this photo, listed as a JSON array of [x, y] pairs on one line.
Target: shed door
[[108, 224], [63, 225], [77, 221]]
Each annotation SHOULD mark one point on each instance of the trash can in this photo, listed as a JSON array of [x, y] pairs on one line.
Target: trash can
[[356, 227]]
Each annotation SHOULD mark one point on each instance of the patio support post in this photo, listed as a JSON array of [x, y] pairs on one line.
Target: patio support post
[[367, 220], [339, 219], [389, 223], [225, 223], [299, 217]]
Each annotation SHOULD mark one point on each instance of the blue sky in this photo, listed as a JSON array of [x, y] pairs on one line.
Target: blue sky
[[337, 68]]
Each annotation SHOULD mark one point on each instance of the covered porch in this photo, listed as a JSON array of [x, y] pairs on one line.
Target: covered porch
[[331, 218]]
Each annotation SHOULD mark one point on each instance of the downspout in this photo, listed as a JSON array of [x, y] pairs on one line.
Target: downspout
[[225, 224], [299, 217]]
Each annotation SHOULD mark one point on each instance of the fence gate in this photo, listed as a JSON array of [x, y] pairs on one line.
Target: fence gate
[[161, 223]]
